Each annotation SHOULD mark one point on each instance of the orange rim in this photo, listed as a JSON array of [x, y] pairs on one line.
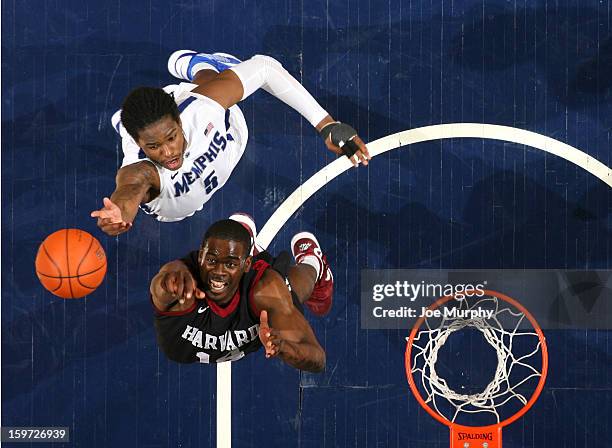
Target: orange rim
[[512, 418]]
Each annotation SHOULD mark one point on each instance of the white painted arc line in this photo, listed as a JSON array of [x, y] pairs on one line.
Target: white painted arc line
[[224, 405], [428, 133]]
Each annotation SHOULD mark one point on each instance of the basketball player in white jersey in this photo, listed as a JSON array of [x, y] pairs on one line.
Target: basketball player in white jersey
[[181, 143]]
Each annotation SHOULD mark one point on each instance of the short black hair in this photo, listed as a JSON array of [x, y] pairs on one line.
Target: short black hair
[[228, 229], [144, 106]]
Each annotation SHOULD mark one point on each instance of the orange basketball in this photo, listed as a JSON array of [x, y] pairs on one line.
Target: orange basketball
[[70, 263]]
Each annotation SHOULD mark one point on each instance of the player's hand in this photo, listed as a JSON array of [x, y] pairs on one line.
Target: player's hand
[[181, 285], [269, 337], [342, 139], [110, 220]]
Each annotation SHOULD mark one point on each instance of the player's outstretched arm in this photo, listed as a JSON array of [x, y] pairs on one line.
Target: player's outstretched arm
[[135, 184], [174, 282], [263, 72], [283, 330]]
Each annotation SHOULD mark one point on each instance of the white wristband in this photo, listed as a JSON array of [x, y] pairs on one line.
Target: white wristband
[[267, 73]]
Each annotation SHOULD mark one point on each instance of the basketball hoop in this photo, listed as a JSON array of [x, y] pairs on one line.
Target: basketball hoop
[[503, 328]]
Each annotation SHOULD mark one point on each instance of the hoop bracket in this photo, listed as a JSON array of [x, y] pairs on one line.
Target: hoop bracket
[[475, 437]]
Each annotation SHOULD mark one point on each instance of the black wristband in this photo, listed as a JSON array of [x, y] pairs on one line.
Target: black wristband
[[342, 136], [326, 130]]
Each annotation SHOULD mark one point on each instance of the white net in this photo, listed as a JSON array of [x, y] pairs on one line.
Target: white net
[[516, 344]]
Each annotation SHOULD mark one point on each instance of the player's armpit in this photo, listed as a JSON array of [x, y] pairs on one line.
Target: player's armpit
[[287, 333]]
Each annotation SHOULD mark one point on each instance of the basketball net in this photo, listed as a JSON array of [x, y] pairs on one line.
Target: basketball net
[[504, 330]]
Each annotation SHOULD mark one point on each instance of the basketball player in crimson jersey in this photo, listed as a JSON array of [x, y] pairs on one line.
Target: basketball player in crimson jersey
[[181, 143], [219, 303]]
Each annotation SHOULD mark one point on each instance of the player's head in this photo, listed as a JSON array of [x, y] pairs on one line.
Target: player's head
[[151, 117], [224, 258]]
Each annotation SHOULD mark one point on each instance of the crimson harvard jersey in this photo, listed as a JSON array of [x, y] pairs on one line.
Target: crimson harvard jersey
[[209, 333]]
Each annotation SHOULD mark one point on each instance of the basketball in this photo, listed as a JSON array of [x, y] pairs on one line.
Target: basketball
[[70, 263]]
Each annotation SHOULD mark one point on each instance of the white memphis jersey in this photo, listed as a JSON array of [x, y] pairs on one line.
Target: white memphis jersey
[[216, 140]]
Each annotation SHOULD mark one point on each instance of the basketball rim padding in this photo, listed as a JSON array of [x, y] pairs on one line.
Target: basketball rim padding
[[462, 436]]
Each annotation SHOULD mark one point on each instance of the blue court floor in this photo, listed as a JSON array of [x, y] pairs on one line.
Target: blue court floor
[[93, 365]]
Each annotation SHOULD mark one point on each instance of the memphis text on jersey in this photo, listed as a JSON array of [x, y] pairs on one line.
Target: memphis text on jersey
[[218, 144]]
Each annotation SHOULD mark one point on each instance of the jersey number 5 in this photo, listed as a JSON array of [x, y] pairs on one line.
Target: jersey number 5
[[211, 182]]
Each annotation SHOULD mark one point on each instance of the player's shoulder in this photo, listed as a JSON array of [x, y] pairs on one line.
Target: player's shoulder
[[196, 103], [271, 284], [271, 293], [188, 101]]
